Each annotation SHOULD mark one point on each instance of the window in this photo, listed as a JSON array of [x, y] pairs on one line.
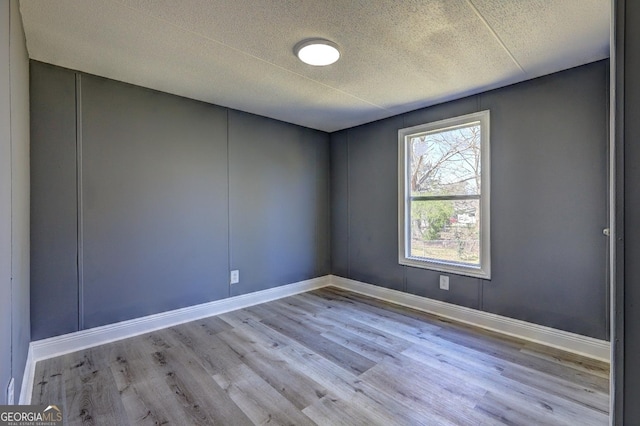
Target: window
[[444, 195]]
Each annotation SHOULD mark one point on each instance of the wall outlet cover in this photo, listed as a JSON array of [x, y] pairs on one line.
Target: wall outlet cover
[[444, 282], [235, 277]]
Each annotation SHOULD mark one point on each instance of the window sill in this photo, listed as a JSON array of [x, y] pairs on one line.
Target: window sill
[[451, 268]]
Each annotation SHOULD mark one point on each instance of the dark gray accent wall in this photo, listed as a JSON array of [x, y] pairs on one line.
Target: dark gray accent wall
[[54, 272], [154, 202], [167, 192], [627, 387], [278, 182], [548, 203], [339, 204], [373, 212]]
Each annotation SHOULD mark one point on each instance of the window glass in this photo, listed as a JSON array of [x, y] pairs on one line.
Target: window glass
[[444, 195]]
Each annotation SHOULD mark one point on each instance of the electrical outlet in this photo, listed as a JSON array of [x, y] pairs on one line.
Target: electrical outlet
[[235, 277], [444, 282], [10, 392]]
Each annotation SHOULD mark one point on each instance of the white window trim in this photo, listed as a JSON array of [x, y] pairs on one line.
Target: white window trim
[[484, 270]]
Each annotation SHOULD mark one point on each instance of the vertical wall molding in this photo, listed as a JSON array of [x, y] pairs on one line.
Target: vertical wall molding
[[348, 205], [11, 219], [229, 260], [617, 210], [79, 200], [316, 227]]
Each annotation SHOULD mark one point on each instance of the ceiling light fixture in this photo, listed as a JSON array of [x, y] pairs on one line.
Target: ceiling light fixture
[[317, 52]]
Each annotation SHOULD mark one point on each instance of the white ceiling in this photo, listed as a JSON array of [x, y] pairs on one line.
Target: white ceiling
[[397, 55]]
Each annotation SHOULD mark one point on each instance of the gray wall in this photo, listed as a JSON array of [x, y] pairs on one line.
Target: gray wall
[[627, 389], [279, 186], [154, 202], [169, 193], [53, 201], [14, 199], [548, 203]]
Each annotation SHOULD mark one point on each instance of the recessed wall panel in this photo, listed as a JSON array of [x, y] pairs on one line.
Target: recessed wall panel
[[154, 202], [277, 184], [54, 221], [549, 201], [339, 205], [373, 203]]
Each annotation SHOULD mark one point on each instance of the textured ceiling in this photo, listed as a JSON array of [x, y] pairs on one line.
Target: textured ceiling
[[396, 55]]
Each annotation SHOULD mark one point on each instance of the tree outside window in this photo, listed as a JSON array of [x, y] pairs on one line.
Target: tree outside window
[[443, 198]]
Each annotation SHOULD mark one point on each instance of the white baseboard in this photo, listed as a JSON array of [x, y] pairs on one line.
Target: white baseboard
[[67, 343], [27, 379], [571, 342]]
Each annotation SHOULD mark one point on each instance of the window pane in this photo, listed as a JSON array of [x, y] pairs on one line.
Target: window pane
[[440, 195], [446, 162], [446, 230]]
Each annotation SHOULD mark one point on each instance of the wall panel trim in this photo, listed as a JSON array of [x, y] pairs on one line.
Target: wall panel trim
[[27, 378], [80, 259]]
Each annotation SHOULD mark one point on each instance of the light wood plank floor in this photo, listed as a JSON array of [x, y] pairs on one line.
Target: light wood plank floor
[[326, 357]]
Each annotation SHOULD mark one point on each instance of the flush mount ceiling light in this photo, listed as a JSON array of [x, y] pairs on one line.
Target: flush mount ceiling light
[[317, 52]]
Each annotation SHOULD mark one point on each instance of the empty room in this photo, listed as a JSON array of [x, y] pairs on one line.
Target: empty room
[[319, 212]]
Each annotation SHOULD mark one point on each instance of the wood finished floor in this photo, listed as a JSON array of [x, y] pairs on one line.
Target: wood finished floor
[[327, 357]]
